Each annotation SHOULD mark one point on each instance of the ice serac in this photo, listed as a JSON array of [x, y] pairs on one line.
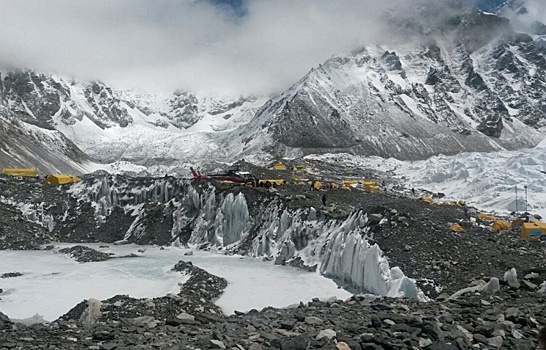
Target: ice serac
[[168, 211], [232, 220]]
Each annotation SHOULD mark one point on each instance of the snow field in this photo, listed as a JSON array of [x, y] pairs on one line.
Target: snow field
[[53, 283], [485, 180]]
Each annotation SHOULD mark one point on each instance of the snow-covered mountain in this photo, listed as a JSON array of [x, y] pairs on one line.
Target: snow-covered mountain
[[457, 92], [465, 81], [88, 122]]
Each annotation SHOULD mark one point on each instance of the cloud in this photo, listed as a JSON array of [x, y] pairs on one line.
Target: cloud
[[163, 45], [534, 10]]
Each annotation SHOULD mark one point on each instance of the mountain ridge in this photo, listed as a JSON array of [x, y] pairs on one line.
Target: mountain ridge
[[469, 83]]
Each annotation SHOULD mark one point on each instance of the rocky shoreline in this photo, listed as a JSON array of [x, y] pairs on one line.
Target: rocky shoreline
[[510, 318]]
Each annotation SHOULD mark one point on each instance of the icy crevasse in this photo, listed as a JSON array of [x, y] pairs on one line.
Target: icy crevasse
[[232, 220]]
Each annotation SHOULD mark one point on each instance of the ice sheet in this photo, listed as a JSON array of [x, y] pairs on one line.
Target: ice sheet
[[53, 283]]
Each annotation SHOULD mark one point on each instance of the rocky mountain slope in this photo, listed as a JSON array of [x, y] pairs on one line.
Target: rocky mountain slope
[[84, 122], [471, 84]]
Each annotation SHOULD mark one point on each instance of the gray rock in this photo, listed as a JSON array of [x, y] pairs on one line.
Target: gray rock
[[511, 312], [218, 343], [423, 343], [109, 346], [480, 338], [290, 343], [288, 324], [280, 260], [492, 286], [516, 334], [148, 321], [314, 321], [255, 346], [531, 276], [270, 314], [326, 333], [529, 285], [4, 320], [185, 316], [103, 335], [375, 218], [495, 342]]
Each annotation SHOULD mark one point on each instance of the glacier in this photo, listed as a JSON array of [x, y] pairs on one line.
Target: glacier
[[485, 180], [181, 213]]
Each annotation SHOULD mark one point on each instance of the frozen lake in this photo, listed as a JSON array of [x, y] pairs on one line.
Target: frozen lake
[[53, 283]]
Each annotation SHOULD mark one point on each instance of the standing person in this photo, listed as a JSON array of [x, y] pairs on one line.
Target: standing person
[[313, 185], [324, 199], [542, 339]]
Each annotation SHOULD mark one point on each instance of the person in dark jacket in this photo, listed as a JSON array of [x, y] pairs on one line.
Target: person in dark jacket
[[542, 339], [324, 199]]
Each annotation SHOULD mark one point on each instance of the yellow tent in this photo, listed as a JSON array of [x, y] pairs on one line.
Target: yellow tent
[[298, 167], [456, 227], [350, 182], [369, 183], [277, 182], [500, 225], [61, 179], [427, 199], [486, 217], [30, 172], [534, 229], [279, 166]]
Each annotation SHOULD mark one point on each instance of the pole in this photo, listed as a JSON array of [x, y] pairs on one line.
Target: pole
[[516, 198], [525, 197]]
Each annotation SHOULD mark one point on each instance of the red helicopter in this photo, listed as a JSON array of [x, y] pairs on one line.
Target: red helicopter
[[241, 177]]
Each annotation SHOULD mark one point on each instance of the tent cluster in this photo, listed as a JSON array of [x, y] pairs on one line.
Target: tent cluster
[[283, 166], [530, 229], [348, 184], [431, 200], [54, 179]]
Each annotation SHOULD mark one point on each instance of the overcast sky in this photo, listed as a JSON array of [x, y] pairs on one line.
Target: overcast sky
[[162, 45]]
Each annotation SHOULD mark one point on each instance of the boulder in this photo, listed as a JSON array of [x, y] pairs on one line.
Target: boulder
[[326, 333]]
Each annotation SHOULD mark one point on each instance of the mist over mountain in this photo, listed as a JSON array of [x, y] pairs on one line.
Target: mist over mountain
[[407, 80]]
